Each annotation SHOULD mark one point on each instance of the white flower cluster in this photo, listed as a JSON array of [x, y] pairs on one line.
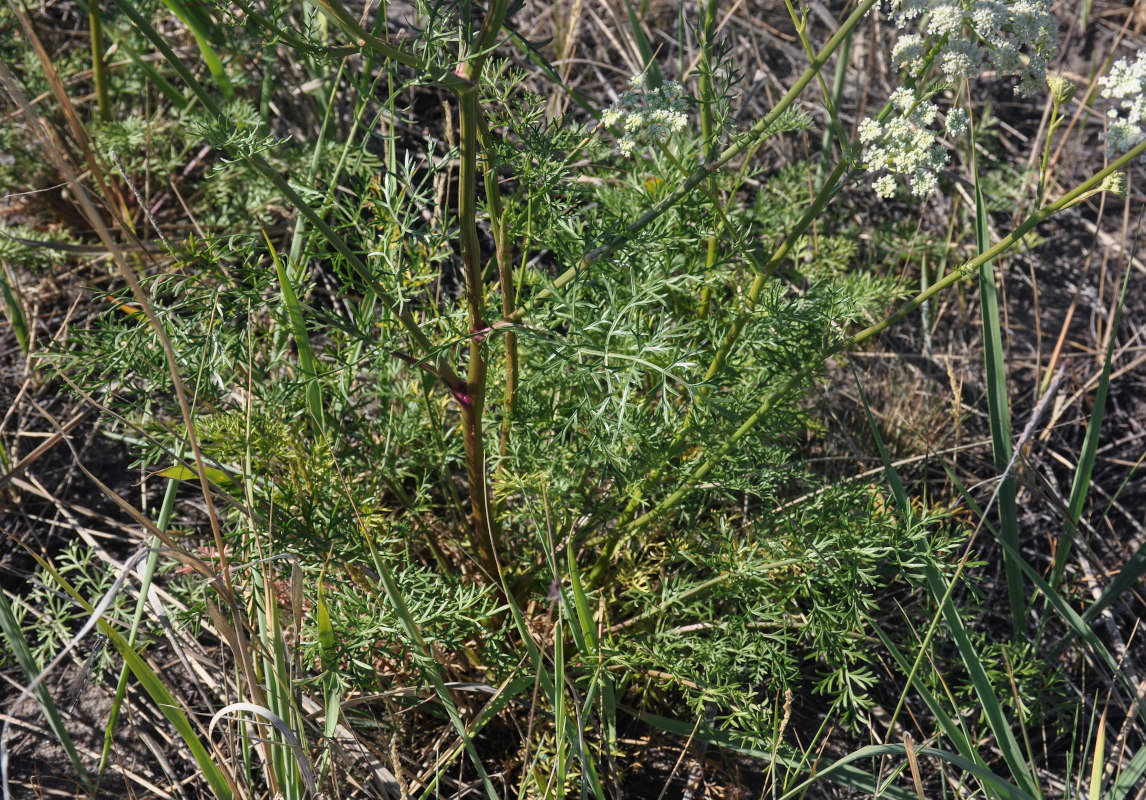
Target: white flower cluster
[[906, 145], [970, 35], [645, 114], [1127, 83]]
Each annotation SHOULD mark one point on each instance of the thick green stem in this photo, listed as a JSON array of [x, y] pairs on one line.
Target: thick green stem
[[472, 395], [472, 398], [833, 126], [468, 113]]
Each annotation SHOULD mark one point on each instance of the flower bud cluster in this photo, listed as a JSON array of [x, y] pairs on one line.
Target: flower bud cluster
[[646, 115], [906, 145], [969, 36], [1125, 82]]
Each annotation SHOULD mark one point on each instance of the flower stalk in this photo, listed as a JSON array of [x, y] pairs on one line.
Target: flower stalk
[[471, 396], [708, 132], [504, 259]]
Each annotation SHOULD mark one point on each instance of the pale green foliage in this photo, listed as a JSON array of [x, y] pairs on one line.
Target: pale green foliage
[[797, 593], [238, 131], [607, 368], [49, 618]]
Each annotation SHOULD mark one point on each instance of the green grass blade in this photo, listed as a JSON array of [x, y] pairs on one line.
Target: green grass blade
[[1098, 760], [306, 360], [985, 775], [645, 47], [992, 708], [18, 647], [289, 738], [535, 55], [507, 692], [1129, 779], [559, 711], [1089, 453], [998, 407], [201, 27], [1078, 626], [601, 681], [166, 87], [14, 308], [603, 677], [167, 703], [569, 728], [166, 510], [950, 727], [587, 629], [295, 776]]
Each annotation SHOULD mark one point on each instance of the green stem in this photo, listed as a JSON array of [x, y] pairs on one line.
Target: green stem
[[837, 94], [819, 203], [472, 399], [472, 394], [166, 510], [99, 68], [504, 258], [700, 588], [801, 24], [468, 114], [708, 132], [1056, 119]]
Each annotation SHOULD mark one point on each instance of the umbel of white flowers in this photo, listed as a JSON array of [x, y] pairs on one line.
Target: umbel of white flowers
[[906, 145], [1126, 82], [961, 38], [646, 115], [1016, 37]]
